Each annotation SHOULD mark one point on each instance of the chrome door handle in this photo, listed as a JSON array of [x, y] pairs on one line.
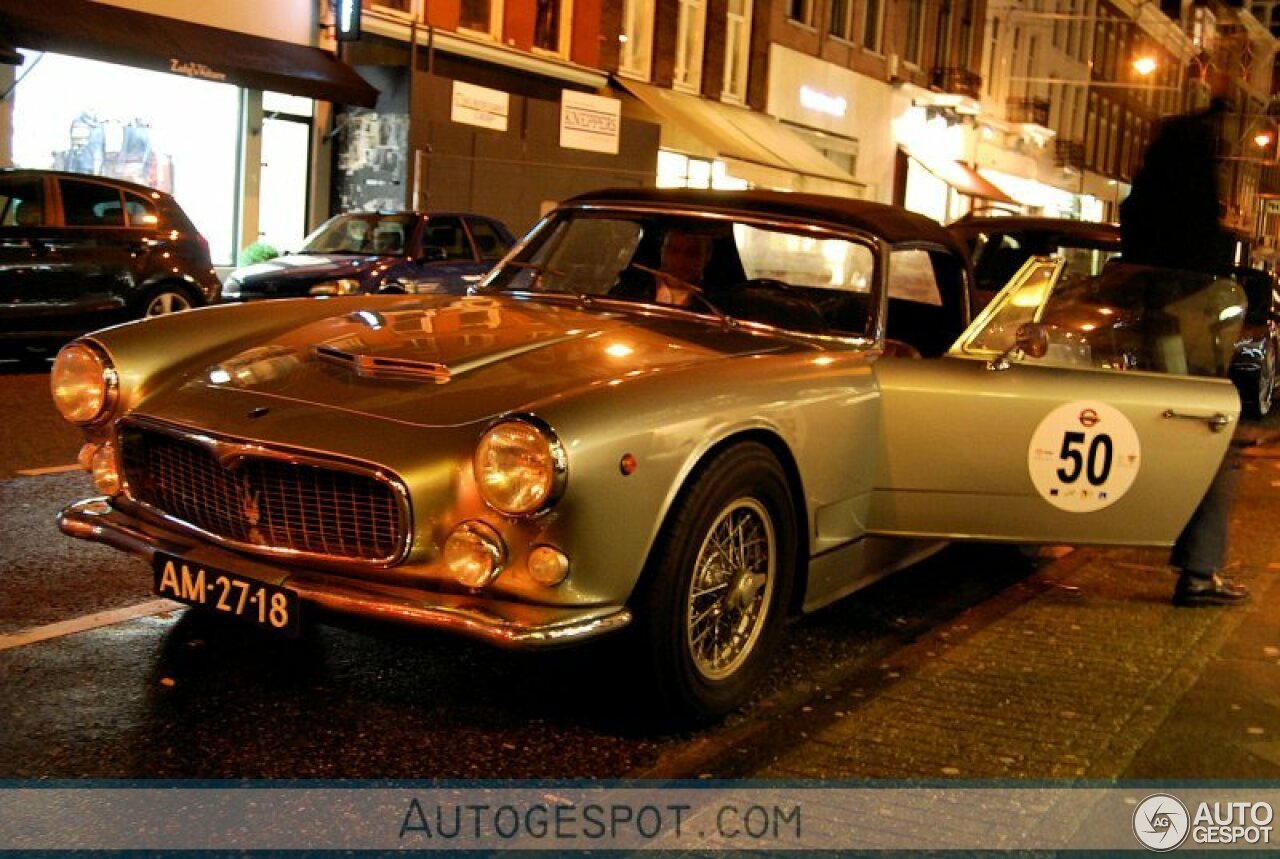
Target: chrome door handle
[[1217, 421]]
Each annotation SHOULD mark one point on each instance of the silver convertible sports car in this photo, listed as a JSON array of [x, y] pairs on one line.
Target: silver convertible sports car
[[677, 416]]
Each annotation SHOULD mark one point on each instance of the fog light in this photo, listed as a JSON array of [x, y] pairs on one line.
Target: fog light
[[105, 475], [474, 554], [548, 566]]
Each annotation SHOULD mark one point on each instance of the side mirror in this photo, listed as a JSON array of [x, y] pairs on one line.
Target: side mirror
[[433, 253], [1031, 339]]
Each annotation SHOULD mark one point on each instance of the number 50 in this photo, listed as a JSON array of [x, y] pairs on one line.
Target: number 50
[[1095, 464]]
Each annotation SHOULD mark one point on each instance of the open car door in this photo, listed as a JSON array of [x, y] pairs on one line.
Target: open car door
[[1074, 411]]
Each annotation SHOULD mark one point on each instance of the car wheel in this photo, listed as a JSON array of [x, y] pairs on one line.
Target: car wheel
[[712, 608], [165, 300], [1266, 385]]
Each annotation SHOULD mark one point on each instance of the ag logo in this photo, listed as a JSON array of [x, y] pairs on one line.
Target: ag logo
[[1161, 822]]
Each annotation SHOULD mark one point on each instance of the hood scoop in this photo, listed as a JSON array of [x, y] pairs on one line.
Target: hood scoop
[[381, 367]]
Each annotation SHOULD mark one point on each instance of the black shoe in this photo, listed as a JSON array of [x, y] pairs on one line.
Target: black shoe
[[1193, 591]]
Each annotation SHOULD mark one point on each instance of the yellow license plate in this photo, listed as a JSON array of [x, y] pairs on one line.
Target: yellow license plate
[[265, 605]]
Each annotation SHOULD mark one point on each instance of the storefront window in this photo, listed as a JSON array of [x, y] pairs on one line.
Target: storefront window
[[680, 171], [165, 131]]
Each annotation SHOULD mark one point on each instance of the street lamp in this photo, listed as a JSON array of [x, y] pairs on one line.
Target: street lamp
[[1145, 65]]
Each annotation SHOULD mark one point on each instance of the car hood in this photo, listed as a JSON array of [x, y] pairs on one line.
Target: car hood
[[308, 267], [448, 362]]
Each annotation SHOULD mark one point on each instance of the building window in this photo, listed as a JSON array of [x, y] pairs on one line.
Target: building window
[[841, 22], [635, 56], [872, 19], [942, 41], [800, 11], [690, 30], [737, 53], [482, 16], [911, 43], [967, 16], [551, 26]]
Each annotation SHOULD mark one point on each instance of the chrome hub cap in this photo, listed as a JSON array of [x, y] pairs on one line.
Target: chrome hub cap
[[167, 302], [731, 589]]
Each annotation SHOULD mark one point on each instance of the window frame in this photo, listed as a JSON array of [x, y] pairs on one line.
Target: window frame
[[691, 28], [636, 61], [871, 31], [737, 53], [564, 30], [494, 31]]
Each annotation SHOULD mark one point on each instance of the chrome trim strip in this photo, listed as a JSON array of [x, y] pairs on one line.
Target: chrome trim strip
[[382, 367], [229, 451], [95, 519]]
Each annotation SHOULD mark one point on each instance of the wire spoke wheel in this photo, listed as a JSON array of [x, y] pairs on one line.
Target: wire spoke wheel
[[730, 589], [712, 607]]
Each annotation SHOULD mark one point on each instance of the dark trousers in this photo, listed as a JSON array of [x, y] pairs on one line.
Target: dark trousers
[[1201, 549]]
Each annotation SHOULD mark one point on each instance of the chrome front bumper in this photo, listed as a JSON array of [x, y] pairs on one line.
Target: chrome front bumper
[[501, 623]]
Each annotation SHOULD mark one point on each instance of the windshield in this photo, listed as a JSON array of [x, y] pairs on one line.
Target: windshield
[[789, 277], [361, 234], [1129, 317]]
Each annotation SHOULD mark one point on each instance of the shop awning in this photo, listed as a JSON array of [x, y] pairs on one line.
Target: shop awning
[[966, 180], [115, 35], [754, 146]]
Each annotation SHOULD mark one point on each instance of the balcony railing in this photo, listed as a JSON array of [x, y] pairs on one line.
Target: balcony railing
[[1034, 111], [956, 80]]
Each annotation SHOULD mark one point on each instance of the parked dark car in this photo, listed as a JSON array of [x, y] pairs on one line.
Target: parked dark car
[[369, 252], [1000, 245], [81, 252]]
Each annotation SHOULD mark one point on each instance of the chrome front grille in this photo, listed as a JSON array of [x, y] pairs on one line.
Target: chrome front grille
[[265, 501]]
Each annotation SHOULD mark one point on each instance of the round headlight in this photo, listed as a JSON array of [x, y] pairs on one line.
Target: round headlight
[[83, 383], [519, 467]]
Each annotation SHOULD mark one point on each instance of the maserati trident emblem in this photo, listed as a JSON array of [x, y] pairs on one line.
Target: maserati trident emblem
[[249, 508]]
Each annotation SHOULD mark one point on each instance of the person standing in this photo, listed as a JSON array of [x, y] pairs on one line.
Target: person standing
[[1172, 219]]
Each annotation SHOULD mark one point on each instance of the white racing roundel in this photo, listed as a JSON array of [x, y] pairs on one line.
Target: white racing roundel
[[1084, 456]]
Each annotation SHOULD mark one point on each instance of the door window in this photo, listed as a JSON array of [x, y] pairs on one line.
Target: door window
[[141, 211], [1127, 318], [446, 234], [489, 244], [21, 202], [86, 204]]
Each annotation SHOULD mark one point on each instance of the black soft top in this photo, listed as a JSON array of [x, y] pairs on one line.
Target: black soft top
[[894, 224]]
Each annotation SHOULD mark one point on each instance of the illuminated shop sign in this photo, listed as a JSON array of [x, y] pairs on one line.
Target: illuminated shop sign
[[831, 105]]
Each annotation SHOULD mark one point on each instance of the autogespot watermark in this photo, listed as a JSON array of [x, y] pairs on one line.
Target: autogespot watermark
[[1162, 822]]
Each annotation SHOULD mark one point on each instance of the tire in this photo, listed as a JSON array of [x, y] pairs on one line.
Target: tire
[[165, 300], [711, 607]]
